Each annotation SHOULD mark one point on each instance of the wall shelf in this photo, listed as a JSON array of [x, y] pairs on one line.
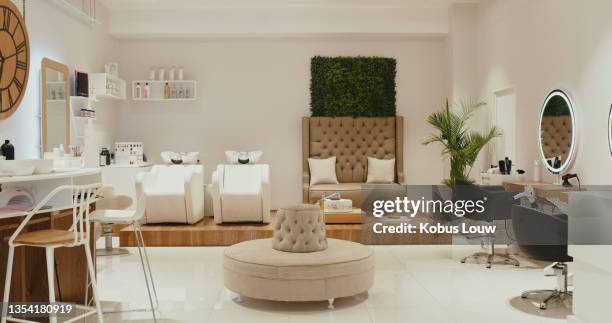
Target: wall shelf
[[163, 99], [84, 118], [106, 86], [80, 13], [185, 90]]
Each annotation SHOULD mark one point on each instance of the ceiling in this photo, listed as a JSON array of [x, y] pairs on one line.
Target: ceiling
[[198, 4]]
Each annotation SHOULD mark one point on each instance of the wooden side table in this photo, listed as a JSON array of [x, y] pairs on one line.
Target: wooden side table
[[353, 216]]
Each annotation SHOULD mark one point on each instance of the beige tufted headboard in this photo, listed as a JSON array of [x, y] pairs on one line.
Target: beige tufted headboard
[[556, 136], [352, 140]]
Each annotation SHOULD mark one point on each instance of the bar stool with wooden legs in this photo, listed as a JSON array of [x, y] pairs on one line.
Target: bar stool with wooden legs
[[77, 236], [132, 217]]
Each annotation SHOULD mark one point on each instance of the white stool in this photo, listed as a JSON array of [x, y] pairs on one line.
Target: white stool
[[76, 236], [132, 217]]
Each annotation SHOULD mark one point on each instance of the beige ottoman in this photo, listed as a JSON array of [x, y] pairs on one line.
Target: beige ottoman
[[299, 229], [253, 269]]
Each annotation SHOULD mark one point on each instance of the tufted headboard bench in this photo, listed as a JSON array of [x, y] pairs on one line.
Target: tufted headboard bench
[[352, 141]]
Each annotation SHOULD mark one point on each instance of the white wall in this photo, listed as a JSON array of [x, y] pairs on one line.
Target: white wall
[[536, 46], [462, 51], [198, 18], [254, 91], [58, 35]]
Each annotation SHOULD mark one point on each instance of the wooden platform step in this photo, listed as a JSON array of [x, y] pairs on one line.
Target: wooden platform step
[[207, 233]]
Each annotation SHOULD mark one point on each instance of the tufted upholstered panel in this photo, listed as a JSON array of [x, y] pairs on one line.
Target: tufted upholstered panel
[[352, 140], [556, 136], [299, 229]]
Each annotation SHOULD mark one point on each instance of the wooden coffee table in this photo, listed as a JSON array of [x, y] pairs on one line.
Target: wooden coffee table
[[353, 216]]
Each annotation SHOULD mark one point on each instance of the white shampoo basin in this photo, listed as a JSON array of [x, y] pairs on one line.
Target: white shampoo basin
[[26, 167]]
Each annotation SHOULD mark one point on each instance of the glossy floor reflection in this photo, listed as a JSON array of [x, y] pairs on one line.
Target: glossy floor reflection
[[413, 284]]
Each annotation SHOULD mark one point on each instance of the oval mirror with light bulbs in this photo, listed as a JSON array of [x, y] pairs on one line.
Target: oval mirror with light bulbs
[[557, 131]]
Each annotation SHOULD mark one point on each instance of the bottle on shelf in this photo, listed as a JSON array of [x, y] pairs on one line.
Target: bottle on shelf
[[173, 95], [536, 170], [187, 94], [181, 93], [146, 91], [8, 150], [152, 73], [162, 74], [138, 91], [180, 73], [105, 157], [167, 91], [171, 74]]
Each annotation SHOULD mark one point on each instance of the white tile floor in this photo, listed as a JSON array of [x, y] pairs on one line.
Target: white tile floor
[[417, 284]]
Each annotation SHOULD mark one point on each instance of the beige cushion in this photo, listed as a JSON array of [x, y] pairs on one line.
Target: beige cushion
[[257, 258], [381, 170], [299, 229], [254, 269], [322, 171], [298, 290]]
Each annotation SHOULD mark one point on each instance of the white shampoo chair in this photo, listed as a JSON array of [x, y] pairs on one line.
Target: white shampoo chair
[[241, 193], [174, 193]]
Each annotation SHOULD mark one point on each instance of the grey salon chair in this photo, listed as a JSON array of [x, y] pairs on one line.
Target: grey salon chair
[[498, 206], [543, 236]]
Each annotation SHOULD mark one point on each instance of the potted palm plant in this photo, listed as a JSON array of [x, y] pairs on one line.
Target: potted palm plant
[[460, 144]]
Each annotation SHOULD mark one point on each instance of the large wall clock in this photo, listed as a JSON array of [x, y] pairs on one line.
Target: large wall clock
[[14, 58]]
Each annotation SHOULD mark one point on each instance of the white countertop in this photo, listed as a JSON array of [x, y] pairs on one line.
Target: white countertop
[[50, 209], [128, 165], [56, 174]]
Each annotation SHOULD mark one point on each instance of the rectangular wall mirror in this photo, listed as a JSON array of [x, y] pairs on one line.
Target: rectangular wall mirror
[[55, 106]]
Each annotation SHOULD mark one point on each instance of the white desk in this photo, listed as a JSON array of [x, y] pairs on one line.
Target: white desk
[[40, 185], [70, 261]]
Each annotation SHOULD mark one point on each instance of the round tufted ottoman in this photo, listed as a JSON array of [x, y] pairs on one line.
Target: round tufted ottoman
[[254, 269], [299, 229]]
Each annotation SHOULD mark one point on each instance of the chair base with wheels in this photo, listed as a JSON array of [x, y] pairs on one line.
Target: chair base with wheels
[[132, 217], [543, 236], [560, 293], [491, 257], [497, 207], [77, 236]]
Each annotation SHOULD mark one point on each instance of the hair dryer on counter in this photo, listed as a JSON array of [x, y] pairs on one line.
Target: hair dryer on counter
[[528, 193], [567, 177]]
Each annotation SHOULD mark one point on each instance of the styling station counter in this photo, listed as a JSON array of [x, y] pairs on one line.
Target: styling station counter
[[29, 283]]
